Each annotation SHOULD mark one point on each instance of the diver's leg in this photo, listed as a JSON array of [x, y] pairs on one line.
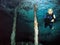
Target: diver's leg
[[46, 25], [51, 26]]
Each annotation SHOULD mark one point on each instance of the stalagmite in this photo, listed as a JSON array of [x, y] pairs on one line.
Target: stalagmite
[[13, 34], [14, 28], [22, 43], [35, 26], [27, 43]]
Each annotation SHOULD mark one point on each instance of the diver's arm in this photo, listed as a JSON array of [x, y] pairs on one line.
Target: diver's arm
[[53, 20], [54, 16]]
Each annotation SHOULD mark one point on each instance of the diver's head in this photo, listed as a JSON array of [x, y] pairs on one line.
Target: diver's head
[[50, 11]]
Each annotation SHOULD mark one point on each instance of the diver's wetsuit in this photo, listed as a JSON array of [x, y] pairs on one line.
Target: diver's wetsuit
[[47, 20]]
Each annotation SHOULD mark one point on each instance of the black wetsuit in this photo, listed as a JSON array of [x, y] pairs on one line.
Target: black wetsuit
[[48, 19]]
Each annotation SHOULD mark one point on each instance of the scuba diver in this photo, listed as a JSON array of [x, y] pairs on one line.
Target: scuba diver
[[49, 19]]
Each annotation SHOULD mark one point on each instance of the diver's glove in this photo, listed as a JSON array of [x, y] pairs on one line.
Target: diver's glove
[[52, 20]]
